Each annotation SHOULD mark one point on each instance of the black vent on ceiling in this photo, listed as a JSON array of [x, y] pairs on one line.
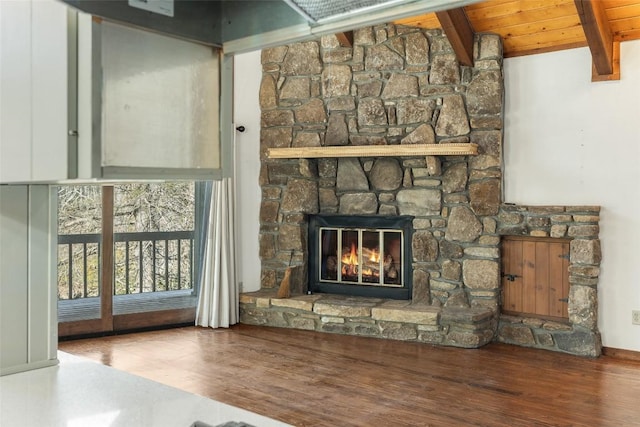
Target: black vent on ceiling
[[317, 10]]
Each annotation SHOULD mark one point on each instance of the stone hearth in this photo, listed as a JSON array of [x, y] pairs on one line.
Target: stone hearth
[[372, 317], [396, 85]]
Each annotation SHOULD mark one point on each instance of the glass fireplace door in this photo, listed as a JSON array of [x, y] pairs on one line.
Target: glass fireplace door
[[372, 257]]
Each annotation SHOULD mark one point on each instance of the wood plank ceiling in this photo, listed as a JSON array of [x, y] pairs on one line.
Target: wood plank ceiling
[[535, 26]]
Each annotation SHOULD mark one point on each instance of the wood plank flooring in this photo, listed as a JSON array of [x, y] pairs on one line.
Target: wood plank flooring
[[315, 379]]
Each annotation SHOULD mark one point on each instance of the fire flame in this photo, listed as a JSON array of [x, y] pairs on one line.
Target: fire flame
[[350, 261], [350, 264]]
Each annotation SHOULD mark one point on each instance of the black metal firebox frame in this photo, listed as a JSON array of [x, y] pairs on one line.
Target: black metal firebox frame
[[403, 222]]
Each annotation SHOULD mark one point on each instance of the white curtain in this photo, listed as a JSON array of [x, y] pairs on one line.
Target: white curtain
[[218, 300]]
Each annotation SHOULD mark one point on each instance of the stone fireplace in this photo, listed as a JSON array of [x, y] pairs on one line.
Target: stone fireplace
[[395, 86], [360, 255]]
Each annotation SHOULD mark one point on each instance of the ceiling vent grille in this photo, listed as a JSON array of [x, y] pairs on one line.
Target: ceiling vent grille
[[317, 11]]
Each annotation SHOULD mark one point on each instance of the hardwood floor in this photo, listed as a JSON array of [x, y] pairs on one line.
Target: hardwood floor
[[315, 379]]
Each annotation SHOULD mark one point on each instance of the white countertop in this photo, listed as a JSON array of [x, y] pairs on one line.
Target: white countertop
[[83, 393]]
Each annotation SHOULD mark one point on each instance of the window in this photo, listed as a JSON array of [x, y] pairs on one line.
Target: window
[[127, 255]]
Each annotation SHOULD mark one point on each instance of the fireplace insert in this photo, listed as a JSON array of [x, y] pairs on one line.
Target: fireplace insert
[[360, 255]]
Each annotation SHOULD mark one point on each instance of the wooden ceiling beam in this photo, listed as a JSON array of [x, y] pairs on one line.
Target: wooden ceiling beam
[[345, 39], [460, 33], [599, 35]]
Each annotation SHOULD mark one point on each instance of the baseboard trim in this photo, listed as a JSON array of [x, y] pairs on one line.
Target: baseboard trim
[[619, 353]]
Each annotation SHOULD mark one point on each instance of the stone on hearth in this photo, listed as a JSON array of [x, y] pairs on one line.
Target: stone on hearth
[[275, 138], [451, 270], [327, 198], [345, 308], [484, 94], [482, 252], [583, 306], [517, 334], [387, 210], [481, 274], [291, 238], [444, 70], [363, 36], [489, 142], [424, 247], [302, 59], [340, 54], [386, 174], [450, 250], [490, 47], [453, 120], [417, 49], [400, 86], [584, 270], [420, 291], [337, 130], [267, 94], [397, 331], [486, 122], [351, 176], [485, 197], [454, 178], [308, 168], [489, 225], [311, 112], [510, 218], [371, 111], [583, 231], [343, 103], [301, 195], [268, 279], [585, 343], [358, 204], [434, 165], [306, 139], [484, 161], [295, 88], [369, 89], [267, 248], [327, 167], [457, 299], [367, 140], [269, 211], [585, 251], [414, 110], [303, 323], [380, 58], [463, 225], [424, 315], [277, 118], [419, 202], [274, 54], [423, 134], [269, 193], [336, 80]]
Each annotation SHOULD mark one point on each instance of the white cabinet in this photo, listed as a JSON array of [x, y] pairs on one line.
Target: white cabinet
[[28, 291], [33, 90], [86, 99]]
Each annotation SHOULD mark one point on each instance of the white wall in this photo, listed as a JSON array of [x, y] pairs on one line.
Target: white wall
[[247, 77], [567, 141], [571, 142]]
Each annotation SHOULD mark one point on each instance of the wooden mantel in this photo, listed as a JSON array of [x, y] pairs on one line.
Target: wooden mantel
[[404, 150]]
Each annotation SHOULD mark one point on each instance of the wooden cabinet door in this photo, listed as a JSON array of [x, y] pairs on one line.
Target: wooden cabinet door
[[535, 276]]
